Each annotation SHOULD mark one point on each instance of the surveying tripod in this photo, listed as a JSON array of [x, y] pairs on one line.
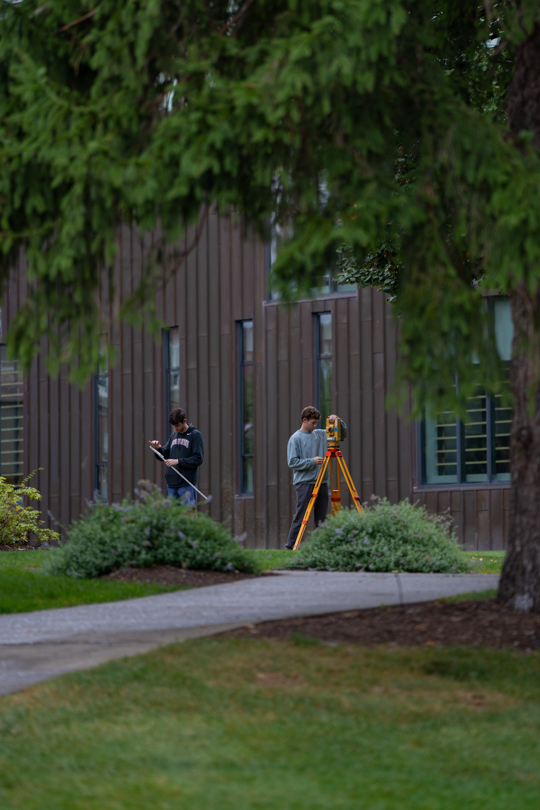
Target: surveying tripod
[[333, 436]]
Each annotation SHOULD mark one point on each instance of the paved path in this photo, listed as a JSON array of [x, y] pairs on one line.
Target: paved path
[[39, 645]]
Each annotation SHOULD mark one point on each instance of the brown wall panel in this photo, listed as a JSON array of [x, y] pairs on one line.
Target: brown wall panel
[[470, 530], [64, 450], [366, 372], [352, 449], [379, 424], [223, 281], [392, 425]]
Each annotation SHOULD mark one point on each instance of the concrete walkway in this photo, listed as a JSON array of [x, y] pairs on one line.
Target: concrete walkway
[[40, 645]]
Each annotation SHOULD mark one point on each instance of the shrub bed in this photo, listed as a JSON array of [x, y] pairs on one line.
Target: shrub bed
[[385, 537], [153, 531]]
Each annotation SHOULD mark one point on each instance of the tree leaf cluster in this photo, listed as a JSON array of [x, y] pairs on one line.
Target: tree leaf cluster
[[17, 521], [146, 113]]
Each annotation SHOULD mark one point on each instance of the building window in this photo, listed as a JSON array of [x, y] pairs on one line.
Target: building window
[[323, 370], [172, 371], [246, 406], [11, 419], [101, 433], [476, 450], [327, 285]]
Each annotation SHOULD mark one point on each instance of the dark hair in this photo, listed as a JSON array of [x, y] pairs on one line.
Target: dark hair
[[311, 413], [176, 416]]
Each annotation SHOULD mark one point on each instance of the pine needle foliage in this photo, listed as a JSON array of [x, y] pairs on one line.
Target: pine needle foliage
[[350, 122]]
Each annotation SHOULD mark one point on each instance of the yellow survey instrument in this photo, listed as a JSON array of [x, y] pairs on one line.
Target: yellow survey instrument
[[333, 435]]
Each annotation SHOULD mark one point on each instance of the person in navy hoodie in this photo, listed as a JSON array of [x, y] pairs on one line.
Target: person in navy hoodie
[[184, 450]]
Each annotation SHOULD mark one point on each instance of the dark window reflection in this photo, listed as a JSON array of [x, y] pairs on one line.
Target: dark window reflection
[[324, 365], [246, 407], [101, 399]]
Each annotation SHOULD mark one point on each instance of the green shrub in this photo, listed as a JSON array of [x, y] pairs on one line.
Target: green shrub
[[153, 531], [17, 521], [384, 537]]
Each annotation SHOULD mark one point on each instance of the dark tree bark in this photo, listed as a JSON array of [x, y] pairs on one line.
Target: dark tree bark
[[520, 580]]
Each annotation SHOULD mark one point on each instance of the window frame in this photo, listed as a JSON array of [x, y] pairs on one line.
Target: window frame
[[98, 463], [19, 424], [167, 373], [490, 449], [243, 491], [334, 290], [322, 356]]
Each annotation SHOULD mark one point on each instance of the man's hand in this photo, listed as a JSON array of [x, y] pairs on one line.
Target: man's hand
[[154, 443], [318, 460], [333, 418], [171, 462]]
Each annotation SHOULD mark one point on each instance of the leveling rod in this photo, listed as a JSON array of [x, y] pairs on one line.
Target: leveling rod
[[162, 457]]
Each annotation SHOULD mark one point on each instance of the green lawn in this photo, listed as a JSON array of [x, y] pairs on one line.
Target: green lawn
[[486, 562], [24, 586], [239, 724], [482, 562]]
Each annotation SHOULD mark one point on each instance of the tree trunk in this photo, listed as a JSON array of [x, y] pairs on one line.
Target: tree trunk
[[520, 580]]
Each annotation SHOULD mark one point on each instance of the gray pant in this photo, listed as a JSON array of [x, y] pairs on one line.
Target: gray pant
[[303, 494]]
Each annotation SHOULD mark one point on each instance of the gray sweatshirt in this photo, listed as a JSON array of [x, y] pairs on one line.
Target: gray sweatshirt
[[301, 452]]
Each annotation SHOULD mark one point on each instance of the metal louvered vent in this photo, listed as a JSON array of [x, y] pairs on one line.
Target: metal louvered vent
[[11, 419]]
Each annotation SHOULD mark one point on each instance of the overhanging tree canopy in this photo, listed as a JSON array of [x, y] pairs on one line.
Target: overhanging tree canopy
[[355, 122]]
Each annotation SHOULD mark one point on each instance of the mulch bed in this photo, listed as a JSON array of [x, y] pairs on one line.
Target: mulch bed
[[475, 623], [169, 575]]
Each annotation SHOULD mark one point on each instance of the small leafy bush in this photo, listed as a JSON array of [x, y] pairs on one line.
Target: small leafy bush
[[17, 521], [385, 537], [153, 531]]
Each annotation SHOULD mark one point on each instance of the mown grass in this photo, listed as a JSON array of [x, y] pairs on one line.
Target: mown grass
[[481, 562], [472, 595], [240, 724], [24, 586], [486, 562]]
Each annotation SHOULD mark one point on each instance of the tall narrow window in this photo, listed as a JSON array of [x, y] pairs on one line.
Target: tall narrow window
[[11, 419], [101, 416], [323, 369], [501, 421], [172, 371], [476, 450], [246, 407]]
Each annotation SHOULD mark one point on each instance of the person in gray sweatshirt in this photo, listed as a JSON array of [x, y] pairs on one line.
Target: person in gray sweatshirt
[[305, 454]]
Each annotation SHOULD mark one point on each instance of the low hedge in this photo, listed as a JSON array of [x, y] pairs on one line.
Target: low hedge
[[385, 537], [152, 531]]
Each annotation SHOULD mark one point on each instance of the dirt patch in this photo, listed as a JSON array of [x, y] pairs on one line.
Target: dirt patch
[[18, 547], [170, 575], [475, 623]]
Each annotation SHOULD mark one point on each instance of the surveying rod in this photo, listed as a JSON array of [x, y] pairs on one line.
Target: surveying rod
[[162, 457]]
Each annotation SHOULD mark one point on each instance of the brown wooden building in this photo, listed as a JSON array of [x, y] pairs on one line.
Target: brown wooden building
[[243, 366]]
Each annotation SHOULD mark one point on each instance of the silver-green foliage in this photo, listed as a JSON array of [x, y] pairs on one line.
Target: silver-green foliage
[[158, 531], [385, 537]]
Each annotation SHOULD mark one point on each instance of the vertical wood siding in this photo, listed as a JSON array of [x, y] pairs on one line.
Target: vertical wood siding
[[222, 282]]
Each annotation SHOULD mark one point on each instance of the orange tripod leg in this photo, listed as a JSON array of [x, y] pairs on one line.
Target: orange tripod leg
[[350, 484], [312, 500], [335, 494]]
